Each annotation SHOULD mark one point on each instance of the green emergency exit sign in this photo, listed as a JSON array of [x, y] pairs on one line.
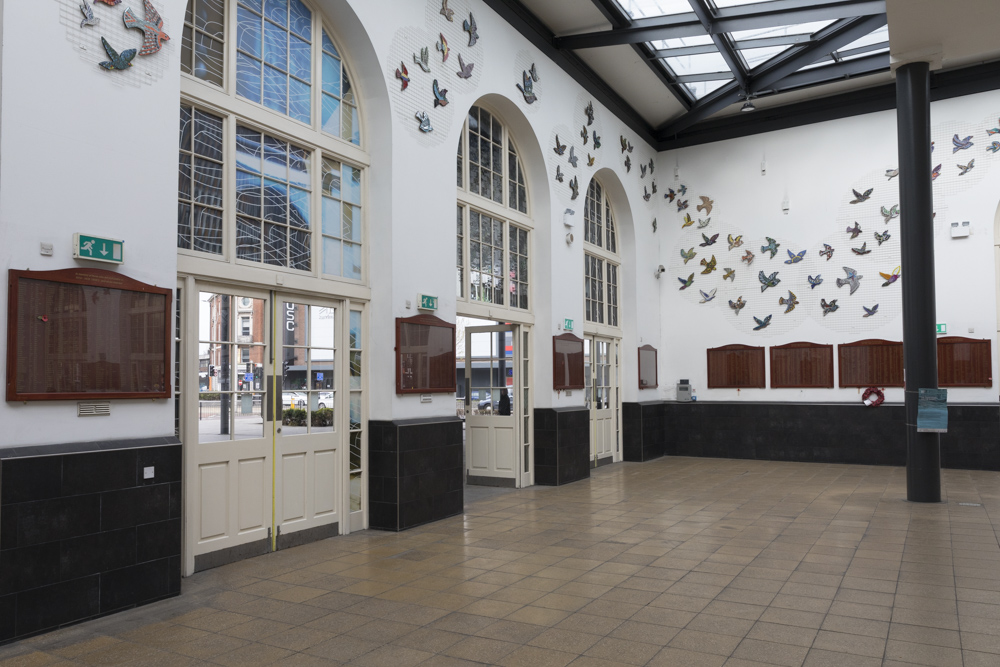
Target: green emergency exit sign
[[942, 328], [98, 249], [427, 302], [567, 324]]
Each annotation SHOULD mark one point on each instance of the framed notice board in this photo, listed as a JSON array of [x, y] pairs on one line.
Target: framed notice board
[[648, 377], [567, 362], [86, 333], [425, 355]]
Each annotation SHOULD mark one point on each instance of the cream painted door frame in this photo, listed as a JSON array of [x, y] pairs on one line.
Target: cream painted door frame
[[603, 377]]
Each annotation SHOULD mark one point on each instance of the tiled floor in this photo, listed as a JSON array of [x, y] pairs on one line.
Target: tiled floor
[[672, 562]]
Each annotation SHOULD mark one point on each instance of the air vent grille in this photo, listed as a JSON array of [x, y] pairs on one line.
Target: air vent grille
[[93, 409]]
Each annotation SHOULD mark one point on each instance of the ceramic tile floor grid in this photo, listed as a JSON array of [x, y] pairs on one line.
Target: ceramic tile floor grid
[[674, 562]]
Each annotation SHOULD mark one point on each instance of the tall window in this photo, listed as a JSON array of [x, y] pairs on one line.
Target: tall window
[[493, 228], [296, 195], [600, 260]]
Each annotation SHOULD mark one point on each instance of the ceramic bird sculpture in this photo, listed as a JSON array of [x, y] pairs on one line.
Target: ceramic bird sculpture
[[761, 324], [440, 95], [465, 69], [646, 194], [623, 142], [735, 242], [445, 12], [688, 221], [111, 3], [994, 147], [768, 281], [527, 89], [669, 196], [771, 247], [469, 26], [681, 205], [559, 174], [642, 171], [729, 274], [574, 185], [889, 214], [442, 46], [890, 278], [585, 134], [964, 169], [703, 223], [682, 190], [88, 15], [705, 205], [737, 305], [960, 144], [813, 282], [560, 148], [706, 297], [572, 157], [827, 251], [423, 60], [874, 309], [748, 257], [117, 61], [151, 27], [652, 187], [654, 229], [935, 172], [856, 229], [891, 173], [630, 147], [852, 279], [425, 122], [828, 307], [628, 164], [688, 255], [995, 130], [686, 283], [863, 250], [590, 160], [709, 265], [883, 237], [795, 258], [708, 240], [789, 303], [534, 73], [861, 196], [597, 140], [403, 75], [589, 112]]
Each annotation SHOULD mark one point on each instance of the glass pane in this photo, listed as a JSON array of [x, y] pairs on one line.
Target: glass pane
[[277, 11], [355, 422], [355, 491], [208, 16], [321, 369], [248, 78], [207, 230], [352, 261], [301, 62], [207, 135], [248, 149], [356, 341], [248, 194], [351, 128], [301, 19], [332, 257], [352, 185], [331, 178], [299, 101], [352, 223], [248, 36], [207, 178], [331, 115], [248, 419], [328, 45], [331, 75], [321, 320], [275, 245], [275, 89], [299, 250], [356, 371], [699, 63], [355, 450], [298, 208]]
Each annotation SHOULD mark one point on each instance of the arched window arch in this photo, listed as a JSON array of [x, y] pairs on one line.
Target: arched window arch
[[601, 260], [271, 159], [493, 223]]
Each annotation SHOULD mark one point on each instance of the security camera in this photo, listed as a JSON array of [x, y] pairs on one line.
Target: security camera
[[660, 269]]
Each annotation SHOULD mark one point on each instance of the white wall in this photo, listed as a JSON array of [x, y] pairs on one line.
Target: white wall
[[815, 168], [86, 150]]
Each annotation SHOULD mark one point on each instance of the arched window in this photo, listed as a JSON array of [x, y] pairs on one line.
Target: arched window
[[493, 226], [284, 132], [600, 260]]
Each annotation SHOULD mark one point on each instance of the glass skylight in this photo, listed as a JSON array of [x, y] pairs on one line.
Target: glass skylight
[[701, 88], [677, 42], [880, 35], [701, 63], [781, 31], [638, 9], [755, 57]]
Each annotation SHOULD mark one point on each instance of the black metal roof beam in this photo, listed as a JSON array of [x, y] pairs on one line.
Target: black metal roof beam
[[722, 42], [707, 76], [771, 72], [645, 30], [683, 51], [834, 72]]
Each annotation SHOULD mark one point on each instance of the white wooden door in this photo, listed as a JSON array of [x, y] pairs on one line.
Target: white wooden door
[[493, 405], [601, 358]]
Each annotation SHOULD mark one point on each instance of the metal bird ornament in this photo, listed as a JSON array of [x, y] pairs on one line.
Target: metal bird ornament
[[442, 46], [590, 160], [403, 75], [729, 274], [748, 257], [705, 205], [861, 196], [994, 147], [883, 237], [761, 323], [630, 147], [890, 278], [597, 140], [768, 281], [652, 167], [642, 171], [623, 142], [559, 174], [827, 251], [151, 26], [960, 144], [706, 297], [447, 13], [863, 250], [469, 26], [709, 264], [688, 221], [890, 214], [423, 60], [560, 148], [874, 309], [440, 95], [789, 303], [534, 73], [855, 231], [425, 122], [964, 169], [574, 185], [891, 173], [646, 194], [589, 111], [585, 133], [669, 196], [935, 172], [795, 258], [771, 247], [572, 157], [686, 283], [737, 305], [465, 70], [628, 164], [681, 205], [527, 89], [828, 307], [708, 240], [88, 15], [688, 255], [117, 61], [703, 223], [813, 282], [735, 242], [654, 229], [652, 187], [852, 279]]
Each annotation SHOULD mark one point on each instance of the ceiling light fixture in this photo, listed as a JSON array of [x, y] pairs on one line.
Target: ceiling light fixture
[[748, 106]]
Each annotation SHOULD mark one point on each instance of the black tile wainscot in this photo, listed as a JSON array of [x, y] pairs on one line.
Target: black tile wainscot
[[562, 445], [415, 471], [84, 533], [643, 430], [825, 433]]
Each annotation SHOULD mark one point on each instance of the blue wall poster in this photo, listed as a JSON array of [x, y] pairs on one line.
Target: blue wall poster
[[932, 411]]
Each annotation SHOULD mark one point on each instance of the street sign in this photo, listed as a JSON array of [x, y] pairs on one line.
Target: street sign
[[568, 324], [98, 249], [942, 328], [427, 302]]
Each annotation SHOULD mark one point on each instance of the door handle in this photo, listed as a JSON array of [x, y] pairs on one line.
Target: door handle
[[279, 429]]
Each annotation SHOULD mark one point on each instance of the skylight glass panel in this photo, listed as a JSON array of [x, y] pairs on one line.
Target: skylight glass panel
[[755, 57], [880, 35], [701, 88], [865, 55], [638, 9], [677, 42], [781, 31], [701, 63], [738, 3]]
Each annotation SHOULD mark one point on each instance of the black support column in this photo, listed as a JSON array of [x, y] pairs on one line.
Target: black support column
[[913, 123]]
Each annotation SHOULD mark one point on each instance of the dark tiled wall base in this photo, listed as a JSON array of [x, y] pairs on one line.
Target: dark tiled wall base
[[415, 472], [827, 433], [562, 445], [83, 534], [643, 430]]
